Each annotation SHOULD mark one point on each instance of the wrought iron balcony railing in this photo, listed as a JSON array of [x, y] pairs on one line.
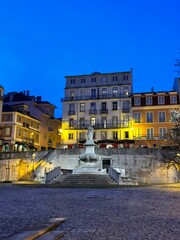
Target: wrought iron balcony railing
[[90, 97]]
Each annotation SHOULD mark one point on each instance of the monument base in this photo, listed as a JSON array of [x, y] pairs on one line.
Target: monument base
[[89, 170]]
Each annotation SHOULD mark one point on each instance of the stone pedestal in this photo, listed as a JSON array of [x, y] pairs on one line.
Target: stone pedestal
[[90, 162]]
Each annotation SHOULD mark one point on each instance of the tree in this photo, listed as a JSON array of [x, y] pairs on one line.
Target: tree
[[173, 135]]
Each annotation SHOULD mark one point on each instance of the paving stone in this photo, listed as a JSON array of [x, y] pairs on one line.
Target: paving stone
[[112, 214]]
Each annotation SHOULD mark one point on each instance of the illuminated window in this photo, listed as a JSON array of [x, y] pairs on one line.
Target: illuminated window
[[137, 117], [115, 91], [71, 136], [149, 133], [82, 107], [103, 135]]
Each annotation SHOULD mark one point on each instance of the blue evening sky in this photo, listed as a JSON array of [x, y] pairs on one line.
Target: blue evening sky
[[41, 41]]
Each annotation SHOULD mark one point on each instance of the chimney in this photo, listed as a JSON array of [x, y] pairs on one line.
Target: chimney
[[38, 98]]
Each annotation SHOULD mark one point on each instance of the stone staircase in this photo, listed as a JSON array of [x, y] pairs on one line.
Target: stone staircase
[[83, 180]]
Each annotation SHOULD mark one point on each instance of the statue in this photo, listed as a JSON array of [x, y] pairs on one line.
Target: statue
[[90, 133]]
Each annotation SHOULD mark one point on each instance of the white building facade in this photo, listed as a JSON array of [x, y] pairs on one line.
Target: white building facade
[[100, 100]]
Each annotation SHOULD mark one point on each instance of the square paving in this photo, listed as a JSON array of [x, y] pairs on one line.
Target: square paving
[[131, 213]]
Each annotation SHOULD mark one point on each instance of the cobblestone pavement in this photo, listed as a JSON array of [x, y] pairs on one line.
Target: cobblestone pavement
[[100, 214]]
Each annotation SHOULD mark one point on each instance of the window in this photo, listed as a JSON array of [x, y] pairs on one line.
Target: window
[[114, 106], [93, 80], [149, 133], [103, 106], [114, 121], [82, 107], [72, 95], [71, 122], [83, 93], [115, 135], [115, 91], [126, 121], [126, 134], [126, 77], [104, 92], [93, 121], [19, 132], [148, 100], [93, 106], [82, 122], [93, 93], [137, 117], [103, 135], [71, 108], [160, 99], [104, 79], [19, 119], [162, 133], [83, 80], [173, 99], [72, 81], [82, 136], [125, 91], [104, 122], [161, 116], [137, 101], [6, 132], [71, 136], [114, 78], [137, 133], [7, 118], [149, 117], [126, 106]]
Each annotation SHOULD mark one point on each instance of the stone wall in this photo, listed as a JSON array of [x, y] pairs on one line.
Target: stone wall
[[144, 164]]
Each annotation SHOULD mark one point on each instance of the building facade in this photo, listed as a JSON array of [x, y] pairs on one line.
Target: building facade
[[100, 100], [20, 131], [152, 115], [33, 107]]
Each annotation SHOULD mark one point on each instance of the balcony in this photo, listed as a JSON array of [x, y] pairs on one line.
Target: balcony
[[107, 125], [89, 97], [92, 111], [71, 112], [125, 110], [25, 125], [104, 111], [50, 129]]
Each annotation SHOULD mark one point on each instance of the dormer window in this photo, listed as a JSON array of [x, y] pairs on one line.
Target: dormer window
[[148, 100], [160, 99]]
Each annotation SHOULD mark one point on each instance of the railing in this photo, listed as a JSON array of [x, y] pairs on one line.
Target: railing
[[104, 111], [125, 109], [52, 175], [72, 112], [94, 111], [107, 125], [115, 175], [88, 97], [146, 137]]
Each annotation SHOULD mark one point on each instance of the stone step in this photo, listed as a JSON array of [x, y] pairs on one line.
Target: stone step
[[85, 179]]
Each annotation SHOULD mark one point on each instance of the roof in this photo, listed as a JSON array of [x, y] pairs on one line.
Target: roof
[[98, 73]]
